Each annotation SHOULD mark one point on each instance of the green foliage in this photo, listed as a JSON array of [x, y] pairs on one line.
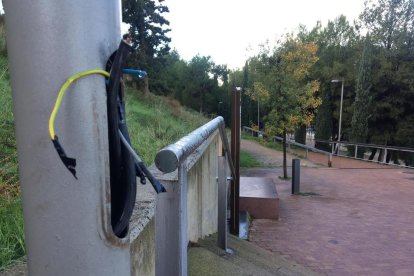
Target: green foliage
[[361, 114], [391, 25], [155, 122], [264, 142], [338, 52], [323, 121], [293, 98], [248, 161], [148, 29], [9, 177], [11, 231], [300, 134], [245, 101]]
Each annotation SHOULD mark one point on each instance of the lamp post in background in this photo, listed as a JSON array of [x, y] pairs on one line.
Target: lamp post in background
[[258, 115], [219, 108], [340, 109]]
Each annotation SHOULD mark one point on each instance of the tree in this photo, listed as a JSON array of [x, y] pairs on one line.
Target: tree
[[259, 94], [292, 93], [361, 114], [246, 117], [198, 84], [339, 50], [149, 34], [391, 25]]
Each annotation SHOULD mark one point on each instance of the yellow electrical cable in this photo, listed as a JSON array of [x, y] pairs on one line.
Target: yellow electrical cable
[[62, 91]]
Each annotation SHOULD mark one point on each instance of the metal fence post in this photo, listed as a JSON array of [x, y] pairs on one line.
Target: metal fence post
[[235, 152], [295, 176], [356, 151], [384, 159], [222, 203], [171, 226], [330, 160]]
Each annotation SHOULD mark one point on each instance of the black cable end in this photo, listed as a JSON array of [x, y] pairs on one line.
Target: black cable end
[[70, 163], [158, 187]]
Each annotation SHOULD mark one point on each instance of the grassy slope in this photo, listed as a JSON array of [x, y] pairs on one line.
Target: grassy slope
[[248, 161], [11, 219], [153, 122]]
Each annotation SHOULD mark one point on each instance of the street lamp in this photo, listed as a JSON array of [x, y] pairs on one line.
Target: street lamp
[[218, 107], [340, 108], [258, 115]]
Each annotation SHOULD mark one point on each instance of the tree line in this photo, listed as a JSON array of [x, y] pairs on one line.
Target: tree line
[[291, 82]]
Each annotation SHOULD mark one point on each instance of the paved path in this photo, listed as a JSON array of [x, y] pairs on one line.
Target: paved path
[[360, 220]]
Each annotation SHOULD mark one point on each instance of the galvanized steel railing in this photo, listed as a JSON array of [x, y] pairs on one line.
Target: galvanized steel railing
[[335, 146], [291, 142], [172, 225], [169, 158]]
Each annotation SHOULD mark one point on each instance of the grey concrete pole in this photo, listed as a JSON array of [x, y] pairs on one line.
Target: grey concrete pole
[[67, 221]]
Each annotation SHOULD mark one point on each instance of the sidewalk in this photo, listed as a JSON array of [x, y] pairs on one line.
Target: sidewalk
[[359, 220]]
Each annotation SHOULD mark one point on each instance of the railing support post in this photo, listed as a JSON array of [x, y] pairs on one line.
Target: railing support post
[[384, 158], [235, 154], [171, 227], [330, 160], [356, 151], [295, 176], [222, 203]]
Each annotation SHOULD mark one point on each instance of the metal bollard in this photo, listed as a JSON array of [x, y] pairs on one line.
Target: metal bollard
[[295, 176]]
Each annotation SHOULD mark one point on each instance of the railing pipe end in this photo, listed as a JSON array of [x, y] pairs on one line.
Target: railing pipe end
[[166, 161]]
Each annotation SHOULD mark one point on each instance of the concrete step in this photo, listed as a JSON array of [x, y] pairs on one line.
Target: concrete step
[[246, 259], [258, 197]]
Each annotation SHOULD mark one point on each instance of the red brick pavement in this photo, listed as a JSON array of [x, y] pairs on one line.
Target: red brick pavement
[[360, 223]]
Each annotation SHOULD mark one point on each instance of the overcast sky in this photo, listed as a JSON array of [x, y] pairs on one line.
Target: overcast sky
[[225, 29]]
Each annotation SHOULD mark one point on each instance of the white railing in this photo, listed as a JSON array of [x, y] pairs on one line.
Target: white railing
[[194, 171]]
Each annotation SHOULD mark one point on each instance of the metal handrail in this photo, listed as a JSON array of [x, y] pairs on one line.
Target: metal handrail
[[306, 147], [169, 158], [366, 145], [386, 148], [293, 143]]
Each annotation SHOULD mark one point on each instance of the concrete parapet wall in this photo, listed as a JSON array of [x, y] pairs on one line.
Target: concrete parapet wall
[[202, 191], [143, 251]]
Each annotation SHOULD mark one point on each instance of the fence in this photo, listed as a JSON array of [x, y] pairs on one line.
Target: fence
[[195, 175], [291, 142], [388, 155], [384, 154]]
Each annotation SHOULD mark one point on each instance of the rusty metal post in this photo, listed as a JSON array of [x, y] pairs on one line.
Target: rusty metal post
[[235, 154]]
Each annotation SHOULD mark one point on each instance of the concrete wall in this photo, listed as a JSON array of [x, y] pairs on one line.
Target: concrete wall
[[143, 251], [142, 232], [202, 192]]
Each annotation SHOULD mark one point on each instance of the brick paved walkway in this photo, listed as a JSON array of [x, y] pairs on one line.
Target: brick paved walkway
[[360, 222]]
